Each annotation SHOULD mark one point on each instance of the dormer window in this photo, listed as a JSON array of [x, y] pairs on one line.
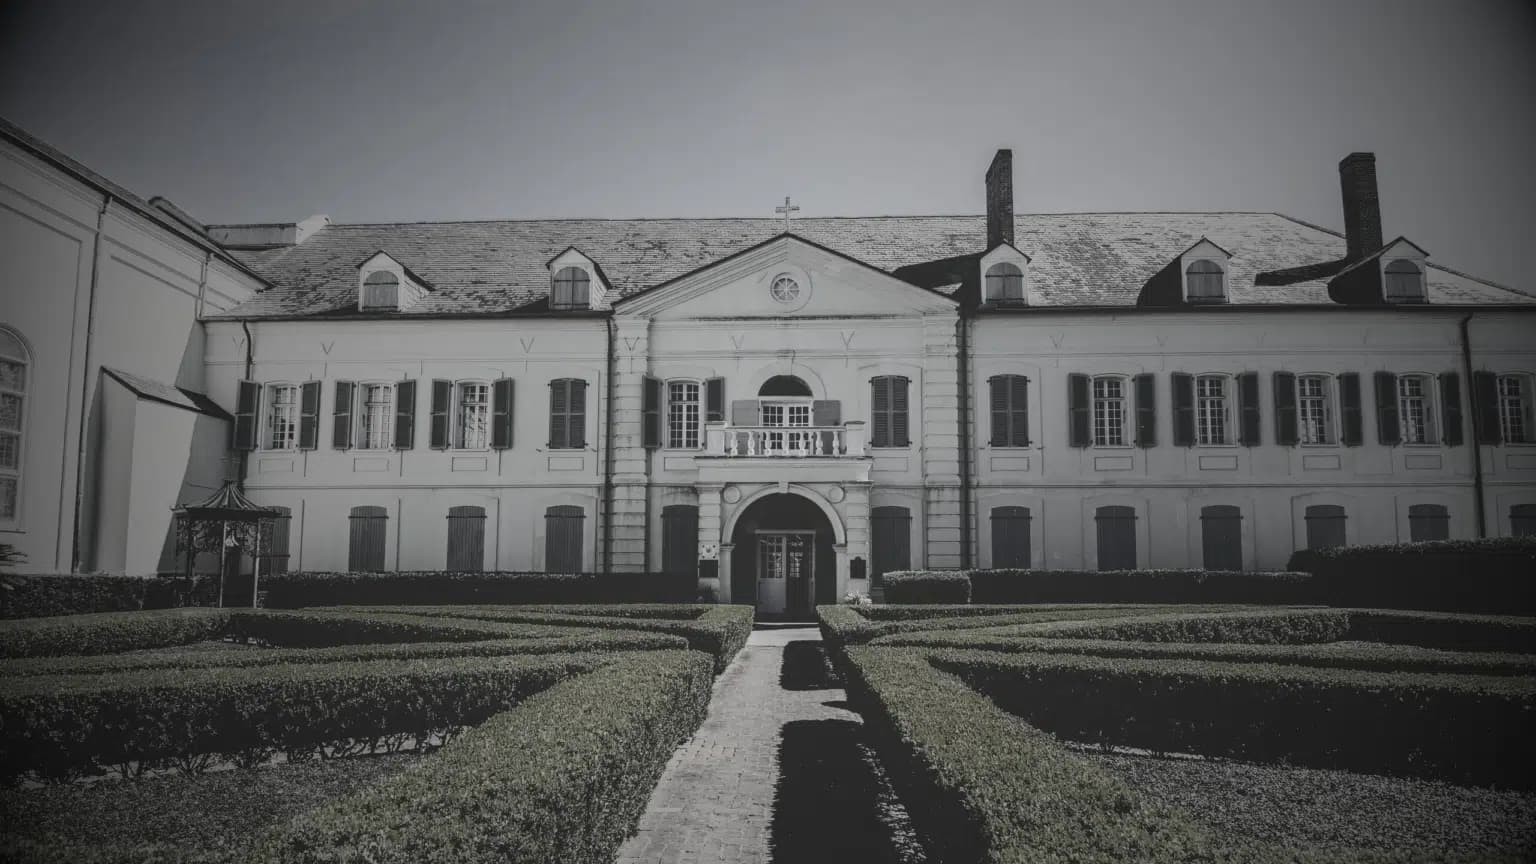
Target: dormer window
[[572, 289], [1005, 283], [1204, 282], [381, 290], [1403, 283]]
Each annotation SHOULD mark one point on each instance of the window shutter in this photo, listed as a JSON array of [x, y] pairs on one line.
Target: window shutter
[[650, 412], [1078, 426], [558, 411], [999, 410], [442, 393], [563, 527], [247, 405], [1116, 528], [899, 425], [890, 540], [826, 412], [501, 413], [1351, 431], [1019, 398], [1248, 399], [1387, 429], [1485, 407], [366, 552], [466, 539], [1285, 409], [578, 430], [880, 408], [1010, 538], [1221, 537], [1146, 409], [1428, 522], [1183, 409], [341, 417], [405, 415], [714, 400], [680, 539], [744, 412], [1450, 409], [1325, 526], [309, 415]]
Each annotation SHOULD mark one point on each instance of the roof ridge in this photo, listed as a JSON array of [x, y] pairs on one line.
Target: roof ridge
[[488, 221]]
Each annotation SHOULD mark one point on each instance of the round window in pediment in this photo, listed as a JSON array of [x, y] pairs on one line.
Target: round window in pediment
[[784, 288]]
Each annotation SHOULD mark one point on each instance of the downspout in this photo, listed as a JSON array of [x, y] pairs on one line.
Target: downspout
[[608, 452], [963, 342], [85, 380], [1477, 445], [250, 363]]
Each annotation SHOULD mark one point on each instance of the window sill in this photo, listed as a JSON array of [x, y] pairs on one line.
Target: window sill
[[1226, 446], [890, 447]]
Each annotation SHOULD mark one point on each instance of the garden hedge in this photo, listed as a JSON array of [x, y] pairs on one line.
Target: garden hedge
[[109, 632], [44, 595], [1142, 586], [1491, 575], [842, 625], [906, 587], [303, 589], [71, 725], [564, 777]]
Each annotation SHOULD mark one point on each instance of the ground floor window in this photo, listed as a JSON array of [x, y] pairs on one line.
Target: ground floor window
[[890, 540], [1010, 538], [366, 551], [274, 545], [680, 539], [1117, 537], [563, 529], [1325, 526], [1221, 537], [466, 539], [1428, 522], [1522, 520]]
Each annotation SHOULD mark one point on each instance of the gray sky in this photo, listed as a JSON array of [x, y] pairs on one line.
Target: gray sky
[[273, 110]]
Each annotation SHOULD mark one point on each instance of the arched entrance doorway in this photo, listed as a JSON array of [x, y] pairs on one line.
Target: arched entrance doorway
[[782, 557]]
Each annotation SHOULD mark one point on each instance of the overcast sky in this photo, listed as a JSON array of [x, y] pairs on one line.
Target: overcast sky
[[273, 110]]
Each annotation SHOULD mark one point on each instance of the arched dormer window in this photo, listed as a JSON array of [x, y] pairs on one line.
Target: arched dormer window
[[1404, 282], [571, 289], [1204, 282], [1005, 283], [381, 290]]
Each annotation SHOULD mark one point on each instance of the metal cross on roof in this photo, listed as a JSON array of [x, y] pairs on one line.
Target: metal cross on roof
[[787, 209]]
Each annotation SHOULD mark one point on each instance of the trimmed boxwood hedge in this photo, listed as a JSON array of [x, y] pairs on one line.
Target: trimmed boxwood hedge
[[1142, 586], [302, 589], [926, 586], [109, 632], [564, 777], [852, 625], [44, 595], [1491, 575]]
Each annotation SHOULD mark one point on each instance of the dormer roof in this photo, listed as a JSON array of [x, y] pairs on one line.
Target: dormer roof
[[401, 264], [1205, 241]]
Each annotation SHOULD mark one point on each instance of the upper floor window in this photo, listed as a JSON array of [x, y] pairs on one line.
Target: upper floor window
[[567, 414], [381, 290], [1213, 414], [1516, 424], [1404, 282], [888, 405], [13, 395], [1109, 411], [472, 412], [1203, 280], [683, 414], [1010, 411], [1415, 409], [1314, 410], [1005, 283], [282, 417], [375, 416], [572, 289]]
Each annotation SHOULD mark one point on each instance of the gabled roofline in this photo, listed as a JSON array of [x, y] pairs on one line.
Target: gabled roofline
[[1205, 239], [782, 235], [201, 404], [408, 271], [1001, 244]]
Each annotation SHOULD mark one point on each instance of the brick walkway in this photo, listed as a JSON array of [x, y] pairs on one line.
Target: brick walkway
[[715, 800]]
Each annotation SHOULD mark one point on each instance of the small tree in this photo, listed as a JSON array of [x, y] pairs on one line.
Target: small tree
[[9, 557]]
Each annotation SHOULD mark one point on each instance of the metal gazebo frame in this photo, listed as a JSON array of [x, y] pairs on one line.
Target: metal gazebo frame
[[225, 521]]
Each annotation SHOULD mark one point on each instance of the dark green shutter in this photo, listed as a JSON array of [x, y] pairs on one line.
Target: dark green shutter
[[1450, 409], [999, 404], [405, 415], [1351, 427], [1325, 526], [1010, 410], [341, 417], [563, 527], [1117, 537], [1010, 538], [442, 393], [650, 412], [466, 539], [880, 410], [1285, 409], [501, 413], [680, 539], [714, 400], [1183, 409], [1079, 426], [247, 406], [890, 540], [1248, 399], [366, 551], [309, 415], [1428, 522], [1221, 537], [1388, 428], [559, 414], [1146, 409], [899, 424], [1485, 407], [578, 427]]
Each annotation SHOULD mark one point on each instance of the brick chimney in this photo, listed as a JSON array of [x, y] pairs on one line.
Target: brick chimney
[[1362, 207], [1000, 199]]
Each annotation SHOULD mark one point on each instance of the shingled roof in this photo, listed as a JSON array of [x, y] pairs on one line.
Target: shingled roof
[[1077, 259]]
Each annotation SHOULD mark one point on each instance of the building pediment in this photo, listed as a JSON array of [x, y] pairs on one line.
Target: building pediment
[[785, 277]]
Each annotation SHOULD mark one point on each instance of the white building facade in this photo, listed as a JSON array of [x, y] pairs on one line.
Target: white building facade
[[787, 413]]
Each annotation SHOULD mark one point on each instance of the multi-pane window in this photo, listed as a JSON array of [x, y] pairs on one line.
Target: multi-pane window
[[1109, 408], [282, 416], [472, 417], [13, 394], [683, 415], [375, 416], [1415, 410], [1515, 409], [1314, 413], [1212, 412], [1005, 283]]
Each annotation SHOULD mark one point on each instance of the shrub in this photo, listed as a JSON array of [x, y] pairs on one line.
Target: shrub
[[564, 777], [927, 586], [63, 726], [840, 627], [37, 596], [1490, 575], [1464, 728], [109, 632], [1444, 630], [301, 589], [1141, 586]]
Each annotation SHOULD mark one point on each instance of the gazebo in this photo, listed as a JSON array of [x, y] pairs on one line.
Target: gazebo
[[226, 522]]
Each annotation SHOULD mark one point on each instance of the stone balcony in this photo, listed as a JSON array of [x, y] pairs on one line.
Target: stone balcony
[[786, 442]]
